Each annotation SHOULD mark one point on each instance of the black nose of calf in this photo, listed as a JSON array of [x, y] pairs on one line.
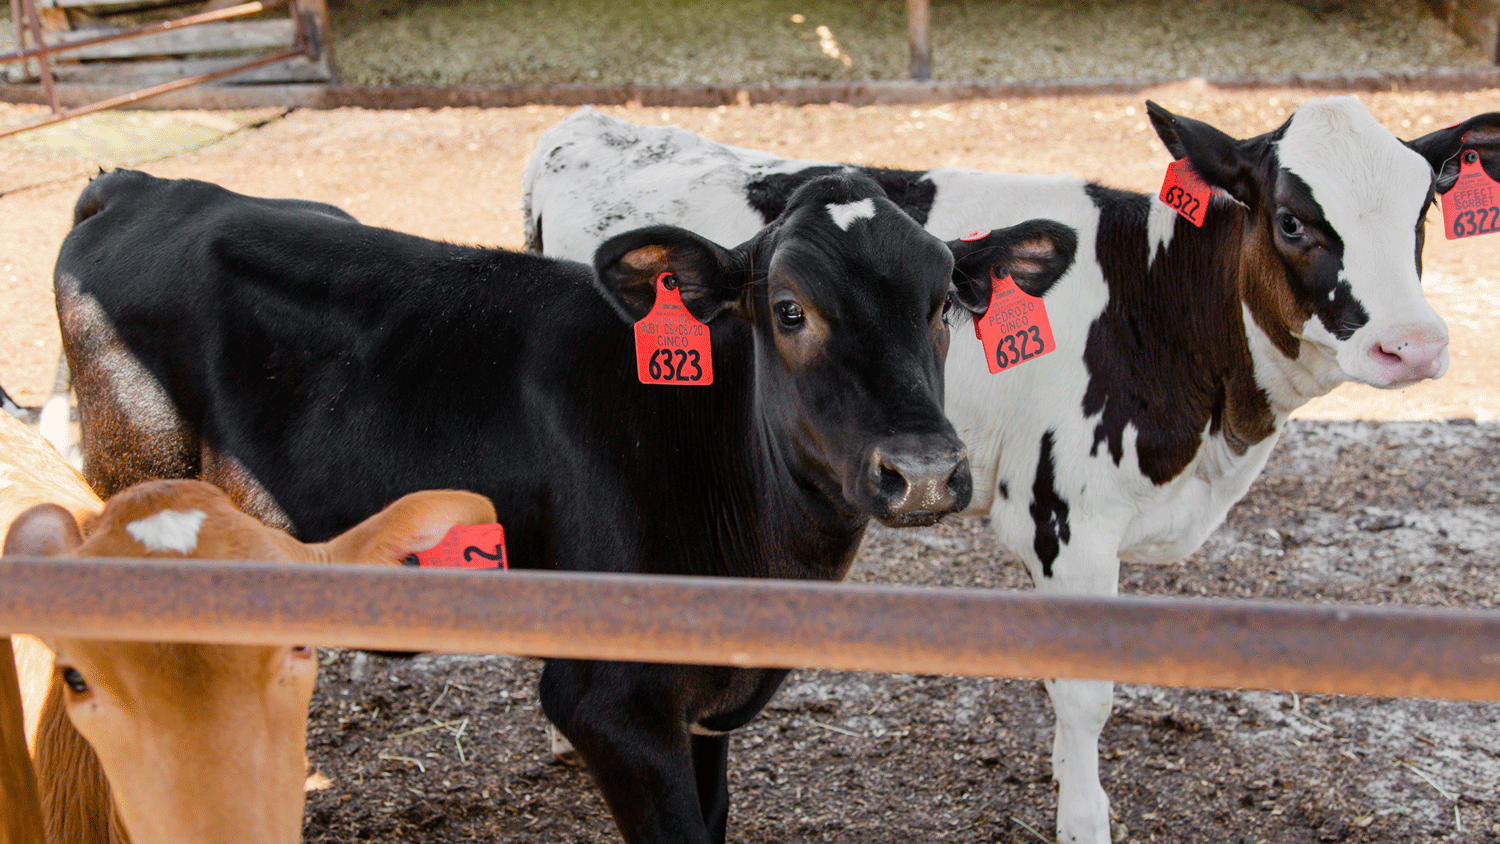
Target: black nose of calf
[[913, 481]]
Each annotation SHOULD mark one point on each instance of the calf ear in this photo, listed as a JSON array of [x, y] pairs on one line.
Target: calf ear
[[1441, 148], [1222, 161], [45, 530], [710, 277], [1035, 254], [412, 523]]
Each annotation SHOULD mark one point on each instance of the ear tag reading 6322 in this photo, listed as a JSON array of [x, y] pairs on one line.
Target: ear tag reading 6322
[[466, 547], [1015, 328], [1472, 205], [1185, 190], [671, 345]]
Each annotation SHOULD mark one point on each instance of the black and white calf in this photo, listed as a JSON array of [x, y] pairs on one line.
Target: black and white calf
[[1178, 351], [319, 369]]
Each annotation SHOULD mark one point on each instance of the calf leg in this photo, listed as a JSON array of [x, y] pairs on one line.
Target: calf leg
[[711, 770], [1081, 706], [627, 723]]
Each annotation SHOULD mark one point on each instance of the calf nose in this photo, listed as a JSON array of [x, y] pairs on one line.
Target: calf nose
[[918, 486], [1411, 357]]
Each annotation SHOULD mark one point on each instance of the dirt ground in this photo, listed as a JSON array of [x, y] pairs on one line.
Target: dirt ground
[[442, 748]]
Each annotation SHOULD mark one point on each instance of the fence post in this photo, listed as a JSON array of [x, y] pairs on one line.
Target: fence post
[[918, 35]]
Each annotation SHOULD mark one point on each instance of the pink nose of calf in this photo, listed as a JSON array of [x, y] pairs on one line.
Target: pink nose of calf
[[1411, 356]]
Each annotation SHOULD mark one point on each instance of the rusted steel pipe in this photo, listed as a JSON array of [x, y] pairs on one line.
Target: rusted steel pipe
[[43, 49], [1169, 641], [147, 93], [34, 23]]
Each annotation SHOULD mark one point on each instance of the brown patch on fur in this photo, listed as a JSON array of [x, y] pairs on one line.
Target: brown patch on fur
[[1267, 291], [116, 454], [646, 257], [75, 794], [20, 802]]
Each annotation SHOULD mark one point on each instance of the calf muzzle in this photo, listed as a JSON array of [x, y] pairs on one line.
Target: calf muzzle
[[912, 481]]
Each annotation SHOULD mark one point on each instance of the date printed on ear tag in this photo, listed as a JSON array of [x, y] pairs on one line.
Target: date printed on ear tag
[[671, 345], [465, 547], [1472, 205], [1015, 328], [1185, 190]]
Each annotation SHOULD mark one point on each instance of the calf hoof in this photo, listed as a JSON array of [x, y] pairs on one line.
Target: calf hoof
[[562, 749]]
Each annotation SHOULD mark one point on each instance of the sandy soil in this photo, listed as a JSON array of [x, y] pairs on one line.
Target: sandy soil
[[450, 749], [455, 174]]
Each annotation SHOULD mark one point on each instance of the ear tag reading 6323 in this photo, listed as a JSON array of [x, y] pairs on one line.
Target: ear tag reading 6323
[[465, 547], [1472, 205], [671, 345], [1185, 190], [1015, 328]]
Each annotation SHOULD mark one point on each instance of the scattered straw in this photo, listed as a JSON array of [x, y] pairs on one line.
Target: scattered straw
[[833, 728], [1026, 826], [418, 762], [1429, 780]]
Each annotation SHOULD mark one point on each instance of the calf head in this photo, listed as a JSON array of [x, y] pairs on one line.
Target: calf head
[[1331, 259], [848, 299], [206, 743]]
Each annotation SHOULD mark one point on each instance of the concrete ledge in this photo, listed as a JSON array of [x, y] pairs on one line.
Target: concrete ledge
[[317, 96]]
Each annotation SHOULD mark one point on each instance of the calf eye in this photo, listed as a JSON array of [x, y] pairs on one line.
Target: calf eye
[[789, 314], [74, 680], [947, 307], [1291, 227]]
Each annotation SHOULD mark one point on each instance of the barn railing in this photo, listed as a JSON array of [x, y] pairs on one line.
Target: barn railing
[[1405, 651]]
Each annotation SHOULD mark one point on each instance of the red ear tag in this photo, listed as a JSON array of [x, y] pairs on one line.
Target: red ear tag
[[977, 234], [467, 547], [1185, 190], [671, 345], [1015, 328], [1472, 205]]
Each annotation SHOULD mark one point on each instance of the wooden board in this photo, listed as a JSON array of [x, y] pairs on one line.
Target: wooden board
[[238, 36], [1476, 22], [142, 74]]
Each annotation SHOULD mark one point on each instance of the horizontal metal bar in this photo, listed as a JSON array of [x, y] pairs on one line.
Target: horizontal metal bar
[[147, 93], [767, 623], [149, 29]]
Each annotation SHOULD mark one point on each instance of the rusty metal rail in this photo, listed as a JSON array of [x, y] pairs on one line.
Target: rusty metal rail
[[1169, 641], [307, 43]]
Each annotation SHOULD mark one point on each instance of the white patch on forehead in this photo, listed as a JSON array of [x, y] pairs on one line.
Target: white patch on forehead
[[1369, 184], [169, 530], [845, 215]]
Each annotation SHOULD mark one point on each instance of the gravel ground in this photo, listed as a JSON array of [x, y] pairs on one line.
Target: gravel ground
[[686, 42]]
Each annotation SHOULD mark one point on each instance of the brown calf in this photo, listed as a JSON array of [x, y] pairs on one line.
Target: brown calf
[[172, 743]]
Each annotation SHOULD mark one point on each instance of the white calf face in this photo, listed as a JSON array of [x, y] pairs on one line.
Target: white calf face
[[1347, 211]]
